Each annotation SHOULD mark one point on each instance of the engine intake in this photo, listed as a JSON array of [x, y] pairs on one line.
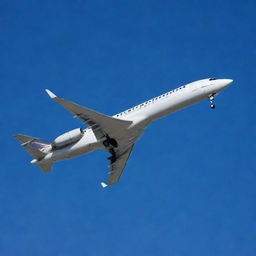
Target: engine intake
[[68, 138]]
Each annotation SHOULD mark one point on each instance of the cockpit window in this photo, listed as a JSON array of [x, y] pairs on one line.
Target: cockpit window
[[212, 79]]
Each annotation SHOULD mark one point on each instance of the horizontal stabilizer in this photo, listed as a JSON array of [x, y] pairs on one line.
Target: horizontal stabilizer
[[34, 146], [24, 138]]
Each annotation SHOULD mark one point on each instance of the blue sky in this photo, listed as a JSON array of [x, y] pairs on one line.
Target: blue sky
[[189, 187]]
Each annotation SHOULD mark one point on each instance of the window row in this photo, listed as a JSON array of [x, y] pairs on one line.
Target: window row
[[152, 100]]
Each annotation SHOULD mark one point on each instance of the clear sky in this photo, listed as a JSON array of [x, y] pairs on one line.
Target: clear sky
[[190, 185]]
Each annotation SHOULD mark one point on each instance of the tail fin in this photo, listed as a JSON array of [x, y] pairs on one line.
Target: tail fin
[[45, 167], [35, 147]]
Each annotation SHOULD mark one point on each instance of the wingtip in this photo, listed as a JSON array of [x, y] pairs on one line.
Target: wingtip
[[51, 94], [103, 184]]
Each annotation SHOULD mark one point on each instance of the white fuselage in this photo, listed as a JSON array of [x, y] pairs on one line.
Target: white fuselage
[[142, 115]]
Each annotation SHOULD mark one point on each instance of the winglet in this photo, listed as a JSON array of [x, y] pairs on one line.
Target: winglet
[[52, 95], [103, 184]]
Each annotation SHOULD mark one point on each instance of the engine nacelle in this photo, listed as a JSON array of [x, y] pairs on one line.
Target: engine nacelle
[[68, 138]]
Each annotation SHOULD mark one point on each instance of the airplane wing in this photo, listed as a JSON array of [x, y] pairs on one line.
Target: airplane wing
[[101, 124], [117, 167]]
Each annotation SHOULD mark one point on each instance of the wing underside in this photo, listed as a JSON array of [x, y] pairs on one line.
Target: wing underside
[[117, 167], [101, 124]]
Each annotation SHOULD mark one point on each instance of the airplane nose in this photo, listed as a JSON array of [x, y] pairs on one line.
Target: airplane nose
[[227, 82]]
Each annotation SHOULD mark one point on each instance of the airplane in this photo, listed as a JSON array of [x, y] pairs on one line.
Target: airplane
[[116, 134]]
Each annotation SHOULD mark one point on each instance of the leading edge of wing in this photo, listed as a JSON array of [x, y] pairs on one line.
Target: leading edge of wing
[[90, 117]]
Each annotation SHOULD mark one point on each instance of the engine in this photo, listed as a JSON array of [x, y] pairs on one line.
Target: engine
[[68, 138]]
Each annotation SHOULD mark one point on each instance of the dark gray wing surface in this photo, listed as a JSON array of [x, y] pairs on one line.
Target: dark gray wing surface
[[117, 167]]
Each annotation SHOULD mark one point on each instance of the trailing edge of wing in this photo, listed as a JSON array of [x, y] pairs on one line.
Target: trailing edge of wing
[[100, 123]]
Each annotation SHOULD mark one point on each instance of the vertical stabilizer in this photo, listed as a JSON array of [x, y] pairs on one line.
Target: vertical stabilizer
[[45, 167]]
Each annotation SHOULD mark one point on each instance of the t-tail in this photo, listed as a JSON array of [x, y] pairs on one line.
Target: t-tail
[[37, 148]]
